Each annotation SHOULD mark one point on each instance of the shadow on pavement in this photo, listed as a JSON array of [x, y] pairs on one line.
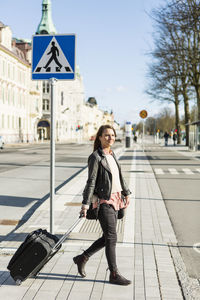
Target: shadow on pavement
[[16, 201], [39, 202], [54, 276], [51, 276]]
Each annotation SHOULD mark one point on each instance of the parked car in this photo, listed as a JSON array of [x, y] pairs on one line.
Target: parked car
[[1, 142]]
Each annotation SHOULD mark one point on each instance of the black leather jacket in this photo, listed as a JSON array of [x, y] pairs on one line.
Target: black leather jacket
[[100, 178]]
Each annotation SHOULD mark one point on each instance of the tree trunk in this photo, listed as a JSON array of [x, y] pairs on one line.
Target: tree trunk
[[197, 89], [187, 115], [177, 118]]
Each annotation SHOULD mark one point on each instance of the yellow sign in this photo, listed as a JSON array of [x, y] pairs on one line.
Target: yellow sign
[[143, 114]]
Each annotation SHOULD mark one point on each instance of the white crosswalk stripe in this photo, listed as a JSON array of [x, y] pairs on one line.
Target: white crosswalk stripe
[[173, 171], [159, 171], [187, 171]]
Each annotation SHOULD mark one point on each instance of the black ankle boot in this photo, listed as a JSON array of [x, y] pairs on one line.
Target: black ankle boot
[[80, 261], [116, 278]]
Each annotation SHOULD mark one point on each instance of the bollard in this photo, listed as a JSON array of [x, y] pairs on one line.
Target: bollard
[[128, 134], [128, 142]]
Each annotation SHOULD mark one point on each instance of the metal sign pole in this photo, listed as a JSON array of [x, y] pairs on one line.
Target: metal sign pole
[[43, 69], [52, 155], [143, 137]]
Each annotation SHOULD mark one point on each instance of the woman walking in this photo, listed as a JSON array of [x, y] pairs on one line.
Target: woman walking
[[105, 184]]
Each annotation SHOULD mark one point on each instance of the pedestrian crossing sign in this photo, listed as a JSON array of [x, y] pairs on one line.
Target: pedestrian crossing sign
[[53, 56]]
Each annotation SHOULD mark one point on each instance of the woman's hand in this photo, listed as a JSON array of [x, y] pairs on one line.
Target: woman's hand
[[127, 198], [83, 212]]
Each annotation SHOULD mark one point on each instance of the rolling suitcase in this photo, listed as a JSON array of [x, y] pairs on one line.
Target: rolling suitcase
[[37, 249]]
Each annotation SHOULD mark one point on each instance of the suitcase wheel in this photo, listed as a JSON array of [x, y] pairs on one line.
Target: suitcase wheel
[[18, 281]]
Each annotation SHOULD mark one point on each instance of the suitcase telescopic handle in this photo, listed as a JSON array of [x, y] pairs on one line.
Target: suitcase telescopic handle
[[64, 237]]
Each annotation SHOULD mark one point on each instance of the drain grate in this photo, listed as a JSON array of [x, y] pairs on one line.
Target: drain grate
[[9, 222]]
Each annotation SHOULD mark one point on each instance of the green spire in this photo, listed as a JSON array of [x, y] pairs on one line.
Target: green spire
[[46, 25]]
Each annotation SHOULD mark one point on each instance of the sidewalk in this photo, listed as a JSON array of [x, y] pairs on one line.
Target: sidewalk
[[185, 150], [144, 251]]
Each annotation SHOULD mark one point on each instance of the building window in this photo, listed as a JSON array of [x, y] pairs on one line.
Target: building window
[[8, 70], [8, 96], [2, 121], [45, 104], [3, 95], [20, 123], [62, 98], [8, 125], [47, 88], [13, 73], [43, 85], [37, 105], [4, 68], [13, 97]]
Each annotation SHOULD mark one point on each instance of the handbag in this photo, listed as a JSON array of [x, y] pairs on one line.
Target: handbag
[[121, 211], [92, 213]]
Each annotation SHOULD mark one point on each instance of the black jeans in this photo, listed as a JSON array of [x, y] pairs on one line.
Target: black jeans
[[108, 220]]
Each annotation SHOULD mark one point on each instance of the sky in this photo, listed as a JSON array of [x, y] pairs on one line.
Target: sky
[[113, 39]]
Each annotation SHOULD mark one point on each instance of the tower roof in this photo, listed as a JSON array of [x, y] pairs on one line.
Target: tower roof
[[46, 25], [92, 101]]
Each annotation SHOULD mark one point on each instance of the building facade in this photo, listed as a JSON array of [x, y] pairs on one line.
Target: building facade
[[75, 118], [25, 104], [20, 98]]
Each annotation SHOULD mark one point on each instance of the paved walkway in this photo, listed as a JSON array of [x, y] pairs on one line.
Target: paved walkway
[[144, 249]]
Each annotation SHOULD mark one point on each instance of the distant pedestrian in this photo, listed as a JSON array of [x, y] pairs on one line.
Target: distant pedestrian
[[174, 138], [166, 137], [104, 189]]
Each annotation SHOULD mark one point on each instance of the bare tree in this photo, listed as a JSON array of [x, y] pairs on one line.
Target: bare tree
[[151, 125], [165, 120], [165, 83], [177, 56]]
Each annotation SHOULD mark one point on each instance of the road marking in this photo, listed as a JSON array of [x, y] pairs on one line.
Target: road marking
[[196, 247], [198, 170], [187, 171], [173, 171], [159, 171], [8, 250]]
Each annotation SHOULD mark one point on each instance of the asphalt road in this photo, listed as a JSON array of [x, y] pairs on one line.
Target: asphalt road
[[25, 177], [178, 176]]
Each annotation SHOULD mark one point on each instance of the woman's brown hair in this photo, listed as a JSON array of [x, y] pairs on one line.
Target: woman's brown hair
[[100, 131]]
